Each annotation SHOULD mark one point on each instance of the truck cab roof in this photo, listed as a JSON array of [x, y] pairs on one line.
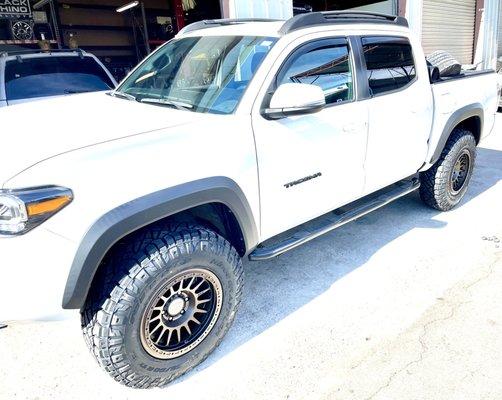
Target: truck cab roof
[[326, 20], [34, 53]]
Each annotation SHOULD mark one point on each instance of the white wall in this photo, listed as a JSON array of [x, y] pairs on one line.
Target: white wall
[[486, 47], [414, 10], [384, 7], [499, 51], [279, 9]]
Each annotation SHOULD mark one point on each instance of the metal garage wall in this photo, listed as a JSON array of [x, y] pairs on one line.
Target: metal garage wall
[[449, 25]]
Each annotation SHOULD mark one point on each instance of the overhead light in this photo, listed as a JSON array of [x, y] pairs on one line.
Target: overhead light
[[40, 4], [127, 6]]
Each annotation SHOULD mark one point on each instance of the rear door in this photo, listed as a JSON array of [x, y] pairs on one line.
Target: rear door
[[311, 164], [400, 110]]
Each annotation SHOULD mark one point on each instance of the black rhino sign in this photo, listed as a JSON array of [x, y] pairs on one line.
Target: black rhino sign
[[15, 8]]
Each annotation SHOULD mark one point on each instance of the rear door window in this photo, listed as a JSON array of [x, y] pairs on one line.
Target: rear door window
[[53, 76], [389, 63]]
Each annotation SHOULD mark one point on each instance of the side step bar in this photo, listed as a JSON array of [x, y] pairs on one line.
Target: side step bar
[[333, 221]]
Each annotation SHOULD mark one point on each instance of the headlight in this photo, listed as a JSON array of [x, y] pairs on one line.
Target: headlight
[[23, 210]]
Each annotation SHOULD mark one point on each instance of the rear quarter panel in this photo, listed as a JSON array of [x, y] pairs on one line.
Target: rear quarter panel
[[449, 96]]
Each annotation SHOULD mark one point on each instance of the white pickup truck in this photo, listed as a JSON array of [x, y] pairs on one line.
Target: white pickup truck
[[136, 206]]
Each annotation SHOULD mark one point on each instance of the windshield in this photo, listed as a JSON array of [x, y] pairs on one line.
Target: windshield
[[53, 76], [203, 74]]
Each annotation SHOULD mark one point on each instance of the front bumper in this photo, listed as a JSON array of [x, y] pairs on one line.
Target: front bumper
[[33, 272]]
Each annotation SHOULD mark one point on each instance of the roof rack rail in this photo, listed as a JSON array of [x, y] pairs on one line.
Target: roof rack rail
[[339, 17], [210, 23], [5, 53]]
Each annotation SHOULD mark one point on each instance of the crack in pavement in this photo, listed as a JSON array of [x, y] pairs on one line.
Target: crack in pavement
[[420, 356], [453, 309]]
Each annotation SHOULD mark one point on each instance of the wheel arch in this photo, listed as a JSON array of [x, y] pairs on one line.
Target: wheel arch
[[220, 194], [470, 117]]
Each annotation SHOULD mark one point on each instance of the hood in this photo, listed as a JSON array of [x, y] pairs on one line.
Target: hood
[[33, 132]]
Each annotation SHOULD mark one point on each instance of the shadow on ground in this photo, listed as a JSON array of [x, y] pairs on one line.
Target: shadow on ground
[[276, 288]]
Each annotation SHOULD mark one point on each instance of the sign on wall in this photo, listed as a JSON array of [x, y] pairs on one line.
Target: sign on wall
[[15, 8]]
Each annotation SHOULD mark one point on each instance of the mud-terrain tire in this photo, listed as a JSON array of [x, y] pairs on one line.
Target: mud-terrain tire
[[445, 62], [159, 268], [446, 182]]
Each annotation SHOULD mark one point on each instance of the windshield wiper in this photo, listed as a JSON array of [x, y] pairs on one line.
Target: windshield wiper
[[121, 95], [167, 102], [73, 91]]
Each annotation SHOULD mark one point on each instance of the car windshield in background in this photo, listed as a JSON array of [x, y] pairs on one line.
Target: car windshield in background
[[53, 76], [203, 74]]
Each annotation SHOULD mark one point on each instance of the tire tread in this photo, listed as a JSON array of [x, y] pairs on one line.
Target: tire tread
[[105, 310], [434, 181]]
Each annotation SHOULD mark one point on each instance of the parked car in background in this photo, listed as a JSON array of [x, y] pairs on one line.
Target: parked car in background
[[35, 74]]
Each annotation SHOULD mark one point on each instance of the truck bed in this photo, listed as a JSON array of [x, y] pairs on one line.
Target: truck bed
[[464, 74], [456, 98]]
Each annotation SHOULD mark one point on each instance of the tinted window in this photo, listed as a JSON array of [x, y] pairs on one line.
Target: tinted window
[[326, 66], [53, 76], [389, 62]]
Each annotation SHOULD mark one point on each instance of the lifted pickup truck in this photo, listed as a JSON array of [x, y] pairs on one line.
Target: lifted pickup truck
[[136, 206]]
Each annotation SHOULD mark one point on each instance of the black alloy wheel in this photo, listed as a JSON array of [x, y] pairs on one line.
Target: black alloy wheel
[[181, 314]]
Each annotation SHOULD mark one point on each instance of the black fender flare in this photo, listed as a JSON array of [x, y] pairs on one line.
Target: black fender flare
[[471, 110], [128, 217]]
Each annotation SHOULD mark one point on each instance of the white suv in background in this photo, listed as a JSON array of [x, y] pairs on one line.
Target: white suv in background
[[36, 74]]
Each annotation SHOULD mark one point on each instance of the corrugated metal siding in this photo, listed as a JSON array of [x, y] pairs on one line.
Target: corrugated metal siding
[[449, 25]]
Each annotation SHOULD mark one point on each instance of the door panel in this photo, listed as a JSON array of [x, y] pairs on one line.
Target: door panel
[[311, 164], [400, 110]]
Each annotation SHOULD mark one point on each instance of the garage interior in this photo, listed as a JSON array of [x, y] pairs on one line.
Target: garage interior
[[101, 27]]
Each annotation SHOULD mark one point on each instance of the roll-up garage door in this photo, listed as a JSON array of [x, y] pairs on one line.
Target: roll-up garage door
[[449, 25]]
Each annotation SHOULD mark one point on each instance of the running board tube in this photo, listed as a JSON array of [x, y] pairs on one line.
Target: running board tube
[[334, 221]]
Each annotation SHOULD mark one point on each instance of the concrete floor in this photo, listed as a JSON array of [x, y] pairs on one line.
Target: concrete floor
[[402, 304]]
